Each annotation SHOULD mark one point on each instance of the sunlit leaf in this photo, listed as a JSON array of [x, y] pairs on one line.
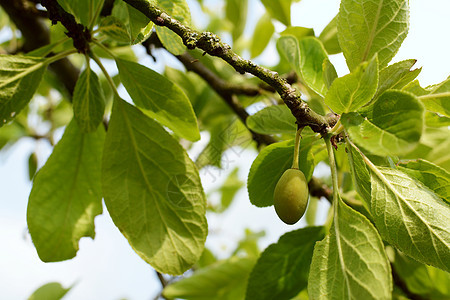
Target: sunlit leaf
[[19, 78], [264, 30], [161, 98], [350, 263], [411, 217], [392, 125], [152, 191], [66, 195], [223, 280], [350, 92], [88, 101], [273, 119], [367, 27], [49, 291]]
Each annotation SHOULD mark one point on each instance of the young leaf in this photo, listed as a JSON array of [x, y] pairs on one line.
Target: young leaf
[[329, 37], [49, 291], [272, 119], [416, 213], [115, 29], [19, 78], [140, 26], [271, 163], [88, 101], [391, 125], [282, 270], [437, 98], [236, 12], [279, 9], [152, 191], [66, 195], [298, 32], [350, 263], [350, 92], [312, 56], [329, 73], [367, 27], [223, 280], [161, 98], [432, 176], [179, 9], [264, 30], [396, 76], [289, 48]]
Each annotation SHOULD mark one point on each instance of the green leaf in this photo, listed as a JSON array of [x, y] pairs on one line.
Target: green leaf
[[350, 263], [420, 279], [437, 98], [264, 30], [282, 270], [298, 32], [432, 176], [66, 195], [140, 26], [367, 27], [435, 120], [115, 29], [49, 291], [360, 173], [273, 119], [88, 101], [236, 13], [289, 48], [329, 37], [279, 9], [271, 163], [223, 280], [248, 245], [179, 10], [417, 214], [392, 125], [19, 78], [161, 98], [350, 92], [83, 10], [396, 76], [32, 165], [312, 56], [329, 73], [152, 191], [229, 189]]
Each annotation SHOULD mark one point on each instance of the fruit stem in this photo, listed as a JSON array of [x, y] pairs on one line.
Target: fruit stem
[[296, 148]]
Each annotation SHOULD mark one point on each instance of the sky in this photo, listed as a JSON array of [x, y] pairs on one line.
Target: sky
[[107, 267]]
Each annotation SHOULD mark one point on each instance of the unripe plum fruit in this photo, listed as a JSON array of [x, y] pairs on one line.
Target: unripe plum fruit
[[291, 196]]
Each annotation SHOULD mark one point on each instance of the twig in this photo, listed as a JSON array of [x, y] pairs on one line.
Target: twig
[[212, 45]]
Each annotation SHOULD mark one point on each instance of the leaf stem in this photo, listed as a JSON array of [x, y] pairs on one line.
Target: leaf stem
[[334, 174], [108, 78], [97, 43], [296, 148]]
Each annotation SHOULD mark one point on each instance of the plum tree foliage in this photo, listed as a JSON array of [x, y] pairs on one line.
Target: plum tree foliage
[[384, 137]]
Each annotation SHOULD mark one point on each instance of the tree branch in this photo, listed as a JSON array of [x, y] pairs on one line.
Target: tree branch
[[212, 45], [227, 92]]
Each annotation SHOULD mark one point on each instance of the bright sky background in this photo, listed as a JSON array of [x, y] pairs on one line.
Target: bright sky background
[[107, 268]]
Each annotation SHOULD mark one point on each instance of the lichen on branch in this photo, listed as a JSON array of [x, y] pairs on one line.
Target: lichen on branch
[[211, 44]]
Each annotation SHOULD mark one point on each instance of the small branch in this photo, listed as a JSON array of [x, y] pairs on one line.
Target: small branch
[[212, 45], [80, 35]]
